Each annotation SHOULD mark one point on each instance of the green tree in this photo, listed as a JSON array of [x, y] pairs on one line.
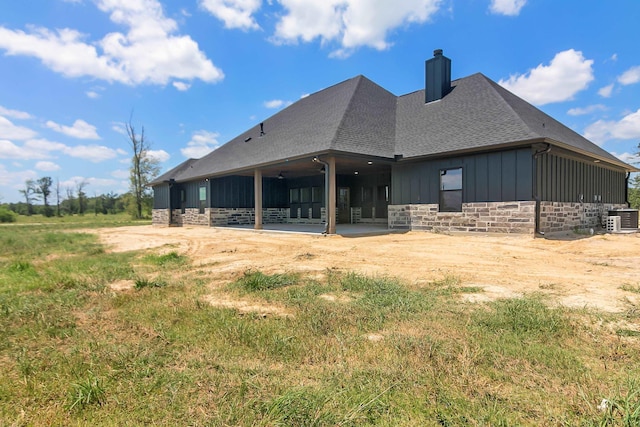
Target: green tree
[[634, 192], [43, 187], [143, 168]]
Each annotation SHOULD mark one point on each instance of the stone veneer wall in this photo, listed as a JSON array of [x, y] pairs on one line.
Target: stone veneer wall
[[559, 216], [160, 217], [498, 217]]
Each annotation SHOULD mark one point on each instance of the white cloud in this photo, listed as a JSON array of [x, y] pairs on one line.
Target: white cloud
[[92, 153], [159, 155], [181, 86], [352, 23], [567, 74], [605, 91], [119, 127], [507, 7], [44, 145], [149, 52], [304, 95], [92, 94], [277, 103], [586, 110], [234, 13], [44, 149], [631, 76], [9, 150], [80, 129], [14, 114], [10, 131], [47, 166], [202, 143], [626, 128], [120, 173], [15, 179], [628, 157]]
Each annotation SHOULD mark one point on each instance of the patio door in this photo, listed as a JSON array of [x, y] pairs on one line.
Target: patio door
[[344, 205]]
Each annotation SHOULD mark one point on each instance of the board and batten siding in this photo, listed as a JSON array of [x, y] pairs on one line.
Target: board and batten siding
[[161, 196], [564, 179], [488, 177]]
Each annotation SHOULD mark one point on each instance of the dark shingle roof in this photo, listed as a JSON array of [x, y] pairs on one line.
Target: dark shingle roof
[[358, 116]]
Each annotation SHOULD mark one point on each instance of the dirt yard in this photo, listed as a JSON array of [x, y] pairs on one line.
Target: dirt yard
[[574, 270]]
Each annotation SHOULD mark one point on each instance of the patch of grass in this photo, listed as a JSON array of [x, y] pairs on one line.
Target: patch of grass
[[74, 353], [253, 280], [142, 283], [172, 258], [623, 409], [631, 288], [89, 391], [526, 317], [627, 333]]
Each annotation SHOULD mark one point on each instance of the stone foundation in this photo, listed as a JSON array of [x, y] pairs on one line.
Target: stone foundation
[[558, 216], [160, 217], [494, 217]]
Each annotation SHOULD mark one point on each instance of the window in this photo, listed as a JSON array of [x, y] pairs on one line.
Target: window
[[305, 195], [183, 200], [202, 198], [383, 193], [316, 194], [366, 194], [294, 195], [451, 190]]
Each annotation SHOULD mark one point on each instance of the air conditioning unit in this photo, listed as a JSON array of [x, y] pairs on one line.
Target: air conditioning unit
[[613, 224]]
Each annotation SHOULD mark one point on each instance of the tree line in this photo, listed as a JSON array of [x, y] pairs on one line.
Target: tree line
[[44, 197]]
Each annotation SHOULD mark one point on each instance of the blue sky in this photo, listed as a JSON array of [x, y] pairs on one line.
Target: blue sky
[[195, 73]]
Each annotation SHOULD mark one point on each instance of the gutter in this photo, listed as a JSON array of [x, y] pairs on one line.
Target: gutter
[[536, 195]]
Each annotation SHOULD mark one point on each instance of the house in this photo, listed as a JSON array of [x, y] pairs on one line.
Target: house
[[464, 155]]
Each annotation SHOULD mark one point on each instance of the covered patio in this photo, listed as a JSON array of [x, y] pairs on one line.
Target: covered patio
[[345, 230]]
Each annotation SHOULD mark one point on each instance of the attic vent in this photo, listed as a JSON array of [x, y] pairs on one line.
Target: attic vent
[[437, 76], [261, 129]]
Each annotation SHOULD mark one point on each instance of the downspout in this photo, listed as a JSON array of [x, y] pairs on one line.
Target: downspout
[[626, 190], [326, 192], [536, 195]]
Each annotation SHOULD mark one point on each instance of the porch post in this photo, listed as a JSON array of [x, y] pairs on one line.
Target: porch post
[[257, 189], [331, 209]]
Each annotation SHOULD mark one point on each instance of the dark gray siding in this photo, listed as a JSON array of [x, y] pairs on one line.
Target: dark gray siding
[[564, 179], [490, 177], [161, 196], [238, 192], [191, 194]]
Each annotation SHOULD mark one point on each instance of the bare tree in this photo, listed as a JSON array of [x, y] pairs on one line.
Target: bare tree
[[70, 200], [81, 195], [29, 193], [143, 167], [58, 197]]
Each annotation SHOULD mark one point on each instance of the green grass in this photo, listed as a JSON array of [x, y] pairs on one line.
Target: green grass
[[378, 352]]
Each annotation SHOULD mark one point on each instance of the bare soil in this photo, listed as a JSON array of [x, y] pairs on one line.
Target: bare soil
[[572, 270]]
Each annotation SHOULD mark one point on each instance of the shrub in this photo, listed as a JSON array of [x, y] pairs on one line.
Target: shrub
[[7, 216]]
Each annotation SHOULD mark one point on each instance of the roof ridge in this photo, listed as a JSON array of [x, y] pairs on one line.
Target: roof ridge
[[359, 78], [493, 85]]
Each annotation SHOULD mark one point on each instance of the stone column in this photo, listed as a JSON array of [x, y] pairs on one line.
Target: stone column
[[257, 189], [331, 209]]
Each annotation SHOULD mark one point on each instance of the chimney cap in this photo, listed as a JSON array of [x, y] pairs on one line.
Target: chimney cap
[[437, 52]]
